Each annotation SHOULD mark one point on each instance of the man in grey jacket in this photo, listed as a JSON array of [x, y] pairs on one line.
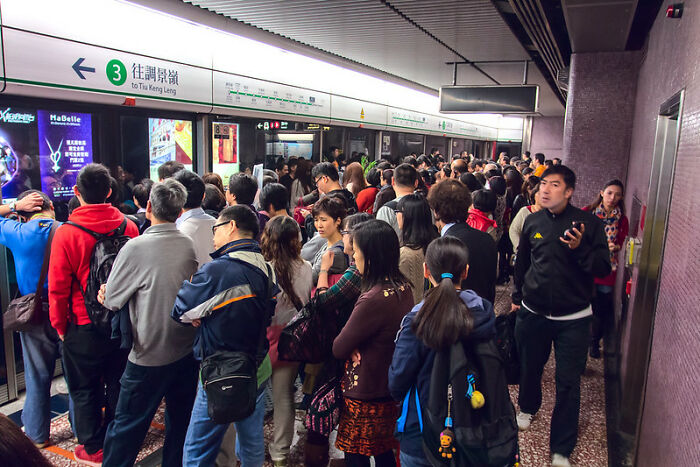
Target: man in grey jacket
[[147, 275]]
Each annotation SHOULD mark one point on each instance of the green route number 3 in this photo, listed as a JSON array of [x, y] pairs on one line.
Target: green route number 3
[[116, 72]]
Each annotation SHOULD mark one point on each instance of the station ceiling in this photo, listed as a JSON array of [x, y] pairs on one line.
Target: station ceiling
[[410, 39]]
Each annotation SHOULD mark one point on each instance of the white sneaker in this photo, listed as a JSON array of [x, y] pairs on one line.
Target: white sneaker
[[560, 461], [524, 420]]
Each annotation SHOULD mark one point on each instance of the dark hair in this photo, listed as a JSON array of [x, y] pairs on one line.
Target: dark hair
[[444, 318], [243, 187], [460, 166], [214, 198], [566, 173], [45, 205], [73, 204], [293, 162], [492, 173], [558, 159], [599, 199], [246, 220], [423, 159], [280, 164], [374, 177], [410, 160], [418, 229], [539, 157], [450, 200], [476, 163], [514, 181], [274, 194], [528, 186], [480, 177], [115, 197], [168, 169], [388, 175], [527, 170], [383, 165], [194, 186], [354, 219], [470, 181], [379, 245], [16, 449], [527, 153], [94, 183], [548, 163], [214, 179], [280, 243], [331, 205], [325, 169], [405, 175], [303, 174], [484, 200], [426, 177], [355, 174], [498, 185], [142, 191]]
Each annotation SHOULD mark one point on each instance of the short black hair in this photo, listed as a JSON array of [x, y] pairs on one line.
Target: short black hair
[[246, 220], [423, 159], [539, 157], [45, 205], [243, 187], [214, 198], [94, 183], [170, 168], [405, 175], [410, 160], [293, 162], [484, 200], [331, 205], [194, 185], [280, 164], [142, 191], [492, 173], [527, 153], [388, 175], [325, 169], [470, 181], [566, 173], [374, 177], [558, 159], [498, 185], [274, 194]]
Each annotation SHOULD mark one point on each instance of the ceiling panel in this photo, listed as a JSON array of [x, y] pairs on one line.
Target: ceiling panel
[[411, 39]]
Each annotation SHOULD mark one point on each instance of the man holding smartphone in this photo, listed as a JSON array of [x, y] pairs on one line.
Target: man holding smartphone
[[561, 250]]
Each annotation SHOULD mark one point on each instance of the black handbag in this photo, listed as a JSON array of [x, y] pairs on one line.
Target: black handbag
[[308, 337], [505, 341], [30, 311]]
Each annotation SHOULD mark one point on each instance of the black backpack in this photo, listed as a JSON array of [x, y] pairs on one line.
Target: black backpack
[[470, 419], [103, 255]]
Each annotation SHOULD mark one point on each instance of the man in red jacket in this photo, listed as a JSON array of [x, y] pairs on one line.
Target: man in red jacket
[[92, 363]]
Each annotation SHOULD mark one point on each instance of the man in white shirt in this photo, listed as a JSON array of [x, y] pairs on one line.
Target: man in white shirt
[[194, 222]]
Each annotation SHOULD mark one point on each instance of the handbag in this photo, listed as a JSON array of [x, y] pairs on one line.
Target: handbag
[[505, 341], [29, 311], [306, 337]]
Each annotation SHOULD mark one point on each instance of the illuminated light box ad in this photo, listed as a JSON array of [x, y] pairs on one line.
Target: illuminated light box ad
[[65, 147], [18, 152], [225, 149], [169, 140]]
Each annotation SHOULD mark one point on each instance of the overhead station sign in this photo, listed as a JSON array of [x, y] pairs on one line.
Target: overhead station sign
[[37, 60]]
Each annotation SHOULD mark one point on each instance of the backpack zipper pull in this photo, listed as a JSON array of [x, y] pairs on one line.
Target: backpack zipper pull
[[448, 419]]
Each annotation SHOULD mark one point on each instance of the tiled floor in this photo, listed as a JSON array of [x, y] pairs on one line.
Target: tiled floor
[[591, 450]]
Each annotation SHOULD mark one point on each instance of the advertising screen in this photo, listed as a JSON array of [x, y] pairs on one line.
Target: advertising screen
[[225, 149], [19, 164], [169, 140], [65, 147]]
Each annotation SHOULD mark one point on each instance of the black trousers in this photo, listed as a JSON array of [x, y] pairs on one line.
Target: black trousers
[[534, 335], [603, 316], [142, 389], [92, 365], [386, 459]]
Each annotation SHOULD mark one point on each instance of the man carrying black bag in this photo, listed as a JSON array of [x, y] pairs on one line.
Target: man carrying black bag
[[230, 300]]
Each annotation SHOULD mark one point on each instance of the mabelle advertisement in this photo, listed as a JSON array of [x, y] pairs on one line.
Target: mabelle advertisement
[[65, 147]]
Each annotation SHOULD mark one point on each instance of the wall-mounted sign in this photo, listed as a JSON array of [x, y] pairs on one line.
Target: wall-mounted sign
[[225, 149]]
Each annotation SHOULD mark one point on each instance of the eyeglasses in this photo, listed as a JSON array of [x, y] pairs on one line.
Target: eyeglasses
[[318, 179], [216, 226], [398, 211]]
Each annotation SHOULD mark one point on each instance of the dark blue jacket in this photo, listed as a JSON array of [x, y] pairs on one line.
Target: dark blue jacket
[[234, 299], [412, 364]]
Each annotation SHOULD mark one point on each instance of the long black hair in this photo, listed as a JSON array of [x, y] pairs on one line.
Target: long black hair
[[379, 245], [599, 199], [444, 318], [418, 229]]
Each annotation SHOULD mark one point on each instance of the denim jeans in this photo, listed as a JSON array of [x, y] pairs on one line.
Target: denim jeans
[[142, 389], [40, 349], [412, 461], [204, 436]]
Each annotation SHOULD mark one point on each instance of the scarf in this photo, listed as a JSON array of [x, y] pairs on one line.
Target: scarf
[[611, 223]]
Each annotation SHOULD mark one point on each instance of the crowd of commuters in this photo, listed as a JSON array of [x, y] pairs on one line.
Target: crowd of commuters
[[399, 262]]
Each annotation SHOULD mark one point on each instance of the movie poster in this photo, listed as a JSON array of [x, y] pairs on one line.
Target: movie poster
[[65, 147], [19, 165], [169, 140], [225, 149]]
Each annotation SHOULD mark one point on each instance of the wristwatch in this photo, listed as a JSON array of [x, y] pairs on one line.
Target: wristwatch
[[12, 206]]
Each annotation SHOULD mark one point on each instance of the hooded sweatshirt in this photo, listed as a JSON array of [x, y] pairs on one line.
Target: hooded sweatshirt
[[70, 259], [412, 364]]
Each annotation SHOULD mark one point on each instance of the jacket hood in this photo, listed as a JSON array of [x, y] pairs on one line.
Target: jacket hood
[[482, 312], [483, 218], [100, 218]]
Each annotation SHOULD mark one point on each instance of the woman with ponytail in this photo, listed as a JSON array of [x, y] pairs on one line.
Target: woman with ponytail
[[446, 315]]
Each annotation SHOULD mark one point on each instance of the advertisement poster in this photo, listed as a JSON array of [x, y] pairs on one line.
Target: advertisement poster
[[225, 149], [19, 165], [65, 147], [169, 140]]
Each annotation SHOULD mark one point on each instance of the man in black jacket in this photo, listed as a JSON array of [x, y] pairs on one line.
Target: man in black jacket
[[450, 201], [561, 250]]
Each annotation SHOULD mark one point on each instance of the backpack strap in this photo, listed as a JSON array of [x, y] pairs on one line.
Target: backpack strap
[[45, 263], [118, 231]]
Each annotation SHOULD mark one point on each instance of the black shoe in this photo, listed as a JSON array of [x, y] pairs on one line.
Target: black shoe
[[595, 352]]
